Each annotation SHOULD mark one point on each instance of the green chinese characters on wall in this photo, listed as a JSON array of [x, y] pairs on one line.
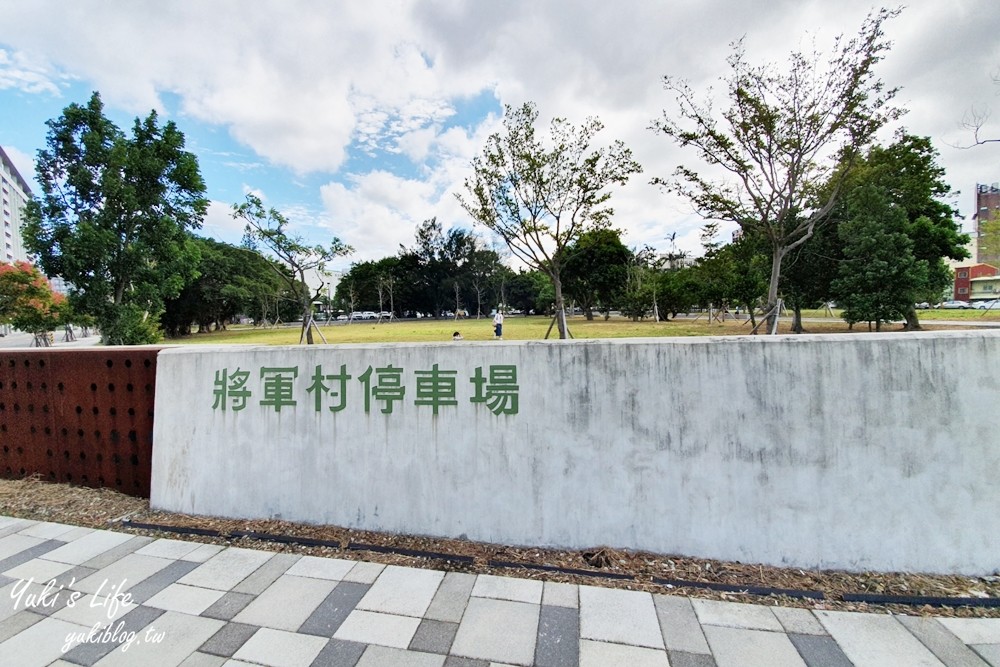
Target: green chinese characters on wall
[[375, 388]]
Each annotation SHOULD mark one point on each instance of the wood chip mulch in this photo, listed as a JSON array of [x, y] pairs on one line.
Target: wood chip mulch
[[32, 498]]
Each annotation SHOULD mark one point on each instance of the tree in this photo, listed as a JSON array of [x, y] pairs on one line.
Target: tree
[[781, 138], [880, 277], [28, 303], [540, 200], [989, 237], [269, 228], [595, 270], [113, 217]]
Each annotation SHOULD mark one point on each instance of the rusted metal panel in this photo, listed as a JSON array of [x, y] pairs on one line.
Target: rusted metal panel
[[83, 416]]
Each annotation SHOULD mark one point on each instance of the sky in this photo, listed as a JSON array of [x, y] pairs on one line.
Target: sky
[[360, 120]]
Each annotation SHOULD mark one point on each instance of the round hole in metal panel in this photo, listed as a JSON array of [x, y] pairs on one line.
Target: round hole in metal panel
[[95, 410], [83, 456], [60, 386], [79, 432], [99, 457], [112, 411], [147, 363], [128, 363], [48, 430], [93, 386], [97, 434], [111, 386], [131, 412], [110, 363], [132, 437], [115, 436], [64, 431], [66, 454], [79, 409], [41, 363], [48, 453], [135, 460], [17, 407], [20, 450], [128, 387]]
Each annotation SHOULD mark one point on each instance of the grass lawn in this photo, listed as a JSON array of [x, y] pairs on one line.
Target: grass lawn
[[521, 328]]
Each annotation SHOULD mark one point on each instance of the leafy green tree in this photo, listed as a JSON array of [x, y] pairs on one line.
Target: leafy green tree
[[539, 199], [989, 238], [231, 281], [880, 277], [268, 228], [113, 217], [595, 270], [677, 291], [781, 138]]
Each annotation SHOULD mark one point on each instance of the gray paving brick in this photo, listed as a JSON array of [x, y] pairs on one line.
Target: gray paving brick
[[155, 583], [118, 552], [679, 625], [339, 653], [382, 656], [12, 526], [452, 597], [948, 648], [819, 651], [6, 580], [134, 621], [456, 661], [70, 578], [197, 659], [989, 652], [332, 611], [558, 643], [226, 607], [434, 636], [22, 620], [266, 574], [31, 553], [228, 639], [684, 659], [798, 621]]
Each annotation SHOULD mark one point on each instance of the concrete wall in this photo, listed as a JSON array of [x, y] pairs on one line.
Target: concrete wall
[[865, 451]]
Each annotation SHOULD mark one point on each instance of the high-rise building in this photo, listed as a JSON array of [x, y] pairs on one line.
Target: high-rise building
[[987, 208], [15, 194]]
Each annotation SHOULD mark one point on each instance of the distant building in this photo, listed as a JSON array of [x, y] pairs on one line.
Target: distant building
[[15, 194], [976, 283], [987, 206]]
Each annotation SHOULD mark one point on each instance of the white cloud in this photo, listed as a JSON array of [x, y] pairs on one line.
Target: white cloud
[[21, 71], [220, 225]]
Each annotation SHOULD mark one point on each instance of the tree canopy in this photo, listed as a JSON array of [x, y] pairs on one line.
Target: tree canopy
[[781, 137], [540, 199], [113, 217], [28, 303]]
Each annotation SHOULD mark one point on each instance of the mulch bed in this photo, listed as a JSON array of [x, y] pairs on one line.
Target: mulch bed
[[601, 566]]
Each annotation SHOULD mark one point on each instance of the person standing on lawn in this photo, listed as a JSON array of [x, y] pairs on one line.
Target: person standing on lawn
[[498, 324]]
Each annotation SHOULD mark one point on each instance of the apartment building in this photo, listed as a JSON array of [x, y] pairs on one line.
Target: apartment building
[[14, 194]]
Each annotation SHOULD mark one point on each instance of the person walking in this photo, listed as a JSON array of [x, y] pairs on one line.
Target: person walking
[[498, 325]]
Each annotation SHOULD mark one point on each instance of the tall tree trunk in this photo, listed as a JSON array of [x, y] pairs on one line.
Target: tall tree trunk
[[777, 253], [797, 319], [560, 307], [912, 323]]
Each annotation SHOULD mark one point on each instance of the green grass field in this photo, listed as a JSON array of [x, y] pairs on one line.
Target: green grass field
[[534, 328]]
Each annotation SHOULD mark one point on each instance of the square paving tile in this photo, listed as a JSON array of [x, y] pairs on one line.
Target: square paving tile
[[381, 656], [558, 594], [624, 617], [508, 588], [452, 597], [974, 630], [125, 631], [948, 648], [226, 607], [287, 603], [434, 636], [116, 553], [22, 620], [228, 639], [226, 569], [798, 621], [15, 544], [739, 647], [736, 615], [364, 572], [600, 654], [369, 627], [339, 653], [558, 643], [47, 531], [203, 553], [498, 630], [321, 568], [185, 599], [876, 640], [405, 591], [203, 660], [679, 624], [281, 649], [89, 546]]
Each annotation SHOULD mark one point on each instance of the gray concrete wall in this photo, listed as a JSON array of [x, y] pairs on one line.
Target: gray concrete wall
[[865, 451]]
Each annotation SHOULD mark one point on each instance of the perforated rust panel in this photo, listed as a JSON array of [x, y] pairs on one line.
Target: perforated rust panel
[[83, 416]]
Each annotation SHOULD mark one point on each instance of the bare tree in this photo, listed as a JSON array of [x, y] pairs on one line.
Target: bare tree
[[782, 138]]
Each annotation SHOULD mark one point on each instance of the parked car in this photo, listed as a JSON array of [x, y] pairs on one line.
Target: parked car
[[952, 305], [985, 305], [923, 305]]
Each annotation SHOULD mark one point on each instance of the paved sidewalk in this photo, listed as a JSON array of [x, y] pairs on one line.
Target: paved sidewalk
[[77, 596]]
